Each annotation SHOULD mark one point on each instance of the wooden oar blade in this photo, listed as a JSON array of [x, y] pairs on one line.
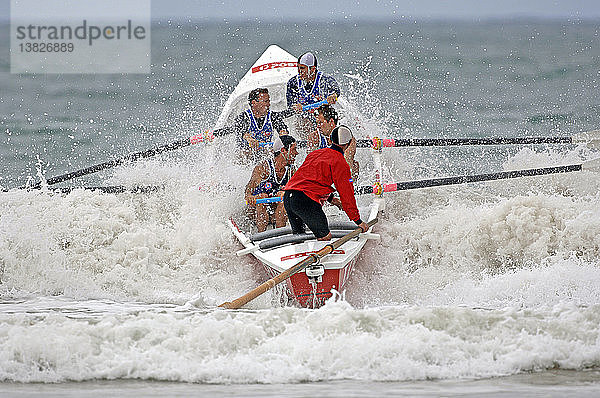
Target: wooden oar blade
[[591, 165], [591, 138]]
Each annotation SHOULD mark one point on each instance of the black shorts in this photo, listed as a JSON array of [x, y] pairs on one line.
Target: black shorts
[[303, 210]]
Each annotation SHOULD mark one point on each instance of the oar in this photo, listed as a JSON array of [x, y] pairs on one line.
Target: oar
[[273, 199], [207, 136], [112, 189], [591, 165], [314, 106], [107, 189], [239, 302], [299, 144], [592, 138]]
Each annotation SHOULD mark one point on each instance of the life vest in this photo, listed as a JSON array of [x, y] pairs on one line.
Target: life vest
[[263, 134], [271, 185], [307, 98], [322, 142]]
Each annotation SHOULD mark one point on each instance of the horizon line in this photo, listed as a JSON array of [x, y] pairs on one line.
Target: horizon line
[[395, 19]]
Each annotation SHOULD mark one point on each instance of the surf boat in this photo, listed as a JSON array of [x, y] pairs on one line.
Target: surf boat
[[278, 249]]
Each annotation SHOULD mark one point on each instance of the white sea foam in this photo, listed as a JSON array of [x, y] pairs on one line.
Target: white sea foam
[[172, 245], [165, 246], [283, 345]]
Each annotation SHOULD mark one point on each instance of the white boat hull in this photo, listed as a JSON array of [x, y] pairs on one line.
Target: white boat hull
[[336, 268]]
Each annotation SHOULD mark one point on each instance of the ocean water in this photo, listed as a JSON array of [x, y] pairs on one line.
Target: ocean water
[[486, 289]]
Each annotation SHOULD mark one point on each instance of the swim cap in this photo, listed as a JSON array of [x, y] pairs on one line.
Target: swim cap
[[307, 59], [341, 135]]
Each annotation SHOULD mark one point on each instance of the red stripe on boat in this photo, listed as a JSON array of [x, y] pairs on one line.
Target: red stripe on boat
[[275, 65]]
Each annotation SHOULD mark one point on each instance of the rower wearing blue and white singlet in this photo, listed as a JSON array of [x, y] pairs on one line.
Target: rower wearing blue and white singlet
[[310, 86], [257, 125], [270, 185], [262, 134], [323, 143], [312, 96], [269, 177], [320, 137]]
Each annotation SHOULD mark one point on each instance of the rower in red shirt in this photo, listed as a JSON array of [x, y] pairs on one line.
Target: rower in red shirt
[[311, 186]]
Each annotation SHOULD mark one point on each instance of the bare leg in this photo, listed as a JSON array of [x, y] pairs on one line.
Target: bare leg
[[354, 170], [262, 217], [280, 216], [251, 213]]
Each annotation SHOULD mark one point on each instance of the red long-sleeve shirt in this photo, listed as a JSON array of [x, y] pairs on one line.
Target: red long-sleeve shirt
[[320, 170]]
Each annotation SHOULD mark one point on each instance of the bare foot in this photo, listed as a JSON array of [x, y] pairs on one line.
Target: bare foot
[[326, 237]]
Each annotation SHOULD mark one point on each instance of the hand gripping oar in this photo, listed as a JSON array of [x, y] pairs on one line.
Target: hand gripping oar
[[299, 143], [239, 302], [591, 165], [592, 138], [314, 106], [206, 136]]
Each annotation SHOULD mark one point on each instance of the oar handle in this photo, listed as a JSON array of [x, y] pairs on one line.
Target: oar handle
[[273, 199], [314, 106], [351, 235]]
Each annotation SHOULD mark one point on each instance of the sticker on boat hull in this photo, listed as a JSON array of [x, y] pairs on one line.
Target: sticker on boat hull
[[306, 254]]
